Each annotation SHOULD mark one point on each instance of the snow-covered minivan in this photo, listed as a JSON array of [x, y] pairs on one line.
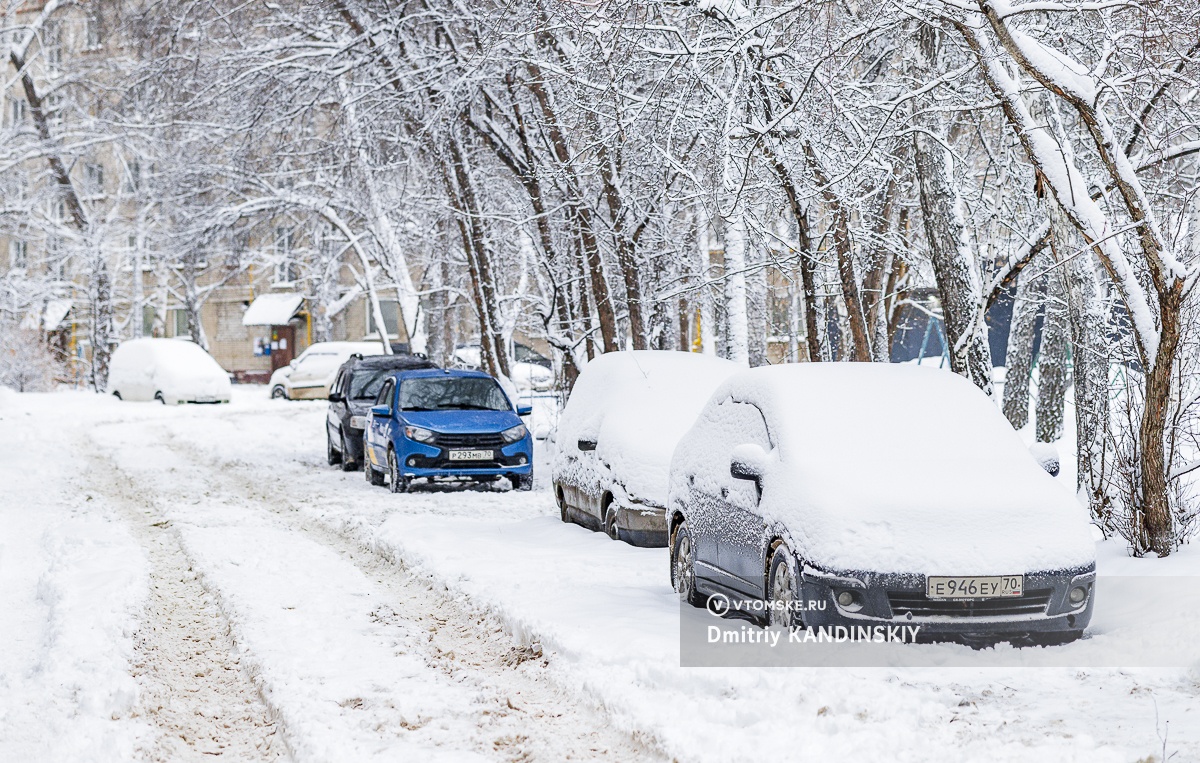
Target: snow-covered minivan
[[883, 494]]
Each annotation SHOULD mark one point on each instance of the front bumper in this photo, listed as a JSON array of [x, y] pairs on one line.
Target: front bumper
[[422, 460], [900, 599]]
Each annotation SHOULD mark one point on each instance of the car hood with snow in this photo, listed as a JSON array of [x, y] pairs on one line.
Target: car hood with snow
[[636, 405], [462, 421], [897, 469]]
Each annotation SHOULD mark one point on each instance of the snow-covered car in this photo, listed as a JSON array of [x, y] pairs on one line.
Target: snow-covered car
[[616, 435], [310, 376], [870, 494], [168, 370]]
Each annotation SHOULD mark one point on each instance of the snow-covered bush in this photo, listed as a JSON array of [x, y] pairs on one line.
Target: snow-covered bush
[[27, 364]]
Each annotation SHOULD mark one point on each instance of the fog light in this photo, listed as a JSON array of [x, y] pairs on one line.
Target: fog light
[[1078, 595], [412, 460], [521, 461], [849, 601]]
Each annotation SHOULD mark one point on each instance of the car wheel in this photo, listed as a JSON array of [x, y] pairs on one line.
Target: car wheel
[[278, 393], [397, 481], [369, 471], [610, 521], [348, 465], [783, 590], [563, 513], [159, 397], [522, 481], [683, 566], [117, 395], [331, 455]]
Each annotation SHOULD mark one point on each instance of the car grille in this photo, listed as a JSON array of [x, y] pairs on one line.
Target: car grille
[[919, 605], [469, 440]]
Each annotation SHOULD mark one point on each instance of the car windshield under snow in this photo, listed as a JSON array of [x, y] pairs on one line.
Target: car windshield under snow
[[455, 393]]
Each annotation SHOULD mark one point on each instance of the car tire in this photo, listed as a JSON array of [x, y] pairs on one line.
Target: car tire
[[783, 587], [610, 521], [348, 465], [332, 456], [278, 393], [373, 477], [522, 482], [396, 481], [683, 566], [563, 512], [117, 395], [159, 397]]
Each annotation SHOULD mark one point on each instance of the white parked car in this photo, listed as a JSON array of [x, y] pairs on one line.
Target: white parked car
[[171, 371], [617, 433], [309, 376], [866, 494]]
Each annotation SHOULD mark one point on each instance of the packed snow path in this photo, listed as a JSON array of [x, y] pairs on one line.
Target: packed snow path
[[196, 581]]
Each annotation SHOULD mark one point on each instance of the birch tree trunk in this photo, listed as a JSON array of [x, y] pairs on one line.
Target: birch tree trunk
[[737, 339], [1018, 359]]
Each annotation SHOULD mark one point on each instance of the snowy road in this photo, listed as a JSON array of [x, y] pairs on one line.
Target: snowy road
[[183, 583]]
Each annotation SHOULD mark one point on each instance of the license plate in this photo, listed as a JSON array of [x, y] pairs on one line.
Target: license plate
[[470, 455], [993, 587]]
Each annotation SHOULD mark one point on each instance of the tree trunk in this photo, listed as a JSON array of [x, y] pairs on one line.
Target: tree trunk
[[1018, 358], [737, 339], [101, 334], [953, 266], [757, 315], [1052, 361]]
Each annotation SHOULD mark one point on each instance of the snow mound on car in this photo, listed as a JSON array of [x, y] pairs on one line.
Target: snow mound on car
[[637, 405], [905, 469]]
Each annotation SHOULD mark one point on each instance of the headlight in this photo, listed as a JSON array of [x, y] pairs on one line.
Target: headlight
[[418, 434], [514, 434], [358, 422], [1077, 595]]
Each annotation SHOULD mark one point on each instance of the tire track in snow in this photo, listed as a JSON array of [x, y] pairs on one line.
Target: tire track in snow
[[192, 685], [521, 714]]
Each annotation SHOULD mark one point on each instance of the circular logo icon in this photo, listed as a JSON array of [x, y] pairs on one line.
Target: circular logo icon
[[718, 604]]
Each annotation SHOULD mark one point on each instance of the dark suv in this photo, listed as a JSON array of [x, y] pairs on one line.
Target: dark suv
[[353, 392]]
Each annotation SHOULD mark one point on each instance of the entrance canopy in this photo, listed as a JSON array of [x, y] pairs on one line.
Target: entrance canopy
[[272, 309], [51, 318]]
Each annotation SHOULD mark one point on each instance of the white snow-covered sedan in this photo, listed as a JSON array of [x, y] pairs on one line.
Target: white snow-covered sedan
[[616, 435], [310, 376], [171, 371], [868, 494]]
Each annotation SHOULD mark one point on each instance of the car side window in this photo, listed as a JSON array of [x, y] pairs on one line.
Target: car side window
[[385, 395]]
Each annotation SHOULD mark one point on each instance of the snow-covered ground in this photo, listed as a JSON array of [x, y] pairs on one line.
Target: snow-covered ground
[[348, 623]]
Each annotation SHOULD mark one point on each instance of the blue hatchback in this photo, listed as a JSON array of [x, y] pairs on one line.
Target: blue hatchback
[[435, 423]]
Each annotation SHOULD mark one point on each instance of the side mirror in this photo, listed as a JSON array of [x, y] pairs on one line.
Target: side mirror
[[380, 410], [336, 397], [524, 410], [1047, 457], [291, 364], [586, 444], [748, 462]]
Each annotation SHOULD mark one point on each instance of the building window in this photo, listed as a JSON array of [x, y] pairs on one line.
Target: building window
[[133, 176], [52, 47], [93, 29], [177, 320], [148, 319], [17, 111], [391, 317], [18, 254], [93, 175], [285, 267]]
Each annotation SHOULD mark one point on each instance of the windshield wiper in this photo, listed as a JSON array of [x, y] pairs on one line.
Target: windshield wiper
[[417, 408]]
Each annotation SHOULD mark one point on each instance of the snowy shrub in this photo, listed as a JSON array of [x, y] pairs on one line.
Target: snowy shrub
[[27, 363]]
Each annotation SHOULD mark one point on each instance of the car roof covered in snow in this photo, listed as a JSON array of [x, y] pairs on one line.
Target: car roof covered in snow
[[895, 467], [455, 373], [398, 362]]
